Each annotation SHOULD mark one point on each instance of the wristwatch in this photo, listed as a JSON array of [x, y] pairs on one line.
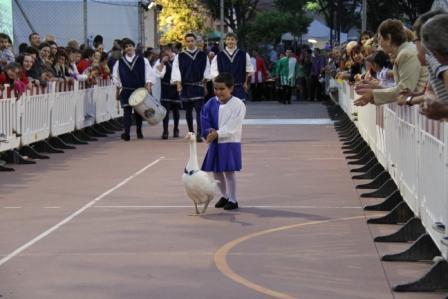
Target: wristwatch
[[409, 101]]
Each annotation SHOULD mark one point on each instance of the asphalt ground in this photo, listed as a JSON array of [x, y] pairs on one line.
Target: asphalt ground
[[111, 220]]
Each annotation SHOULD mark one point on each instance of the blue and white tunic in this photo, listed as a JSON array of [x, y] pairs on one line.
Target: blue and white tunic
[[235, 62], [169, 90], [223, 154], [191, 68], [130, 73]]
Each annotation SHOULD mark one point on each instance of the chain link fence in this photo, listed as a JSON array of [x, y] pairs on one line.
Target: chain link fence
[[76, 20]]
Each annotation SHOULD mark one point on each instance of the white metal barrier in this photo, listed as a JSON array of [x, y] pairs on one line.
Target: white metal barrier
[[9, 124], [85, 107], [414, 150], [35, 116], [52, 111], [62, 108]]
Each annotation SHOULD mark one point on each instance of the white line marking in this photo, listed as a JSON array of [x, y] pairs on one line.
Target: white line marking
[[12, 207], [77, 213], [189, 207]]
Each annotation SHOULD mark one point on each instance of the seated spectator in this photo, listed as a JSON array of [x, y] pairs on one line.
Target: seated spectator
[[6, 55], [10, 76], [408, 72]]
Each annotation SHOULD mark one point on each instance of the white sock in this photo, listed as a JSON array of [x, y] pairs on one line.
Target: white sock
[[222, 183], [231, 184]]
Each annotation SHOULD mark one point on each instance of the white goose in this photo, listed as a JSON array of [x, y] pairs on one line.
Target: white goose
[[200, 187]]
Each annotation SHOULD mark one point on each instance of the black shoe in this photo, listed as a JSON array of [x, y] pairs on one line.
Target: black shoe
[[176, 133], [198, 137], [139, 134], [231, 205], [221, 202], [125, 137], [165, 135]]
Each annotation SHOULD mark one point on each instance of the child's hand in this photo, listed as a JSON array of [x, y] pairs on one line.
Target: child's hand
[[212, 135]]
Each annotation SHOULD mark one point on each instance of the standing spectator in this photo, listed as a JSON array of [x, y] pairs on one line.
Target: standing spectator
[[72, 69], [60, 65], [86, 60], [36, 70], [286, 72], [6, 55], [34, 39], [10, 76], [409, 74], [44, 54], [104, 67], [114, 55], [25, 60], [317, 70], [259, 77]]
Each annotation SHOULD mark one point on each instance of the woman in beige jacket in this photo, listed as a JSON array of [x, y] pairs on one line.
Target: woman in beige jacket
[[408, 73]]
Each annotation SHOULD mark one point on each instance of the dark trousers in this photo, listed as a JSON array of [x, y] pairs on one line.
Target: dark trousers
[[174, 107], [197, 106], [257, 91], [315, 88], [127, 119], [286, 92]]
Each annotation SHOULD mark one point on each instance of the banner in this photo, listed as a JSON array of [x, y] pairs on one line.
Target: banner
[[6, 17]]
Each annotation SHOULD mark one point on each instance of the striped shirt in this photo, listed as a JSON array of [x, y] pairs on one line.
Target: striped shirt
[[435, 73]]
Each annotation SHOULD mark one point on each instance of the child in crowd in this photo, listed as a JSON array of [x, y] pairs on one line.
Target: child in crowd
[[383, 68], [222, 121], [10, 76]]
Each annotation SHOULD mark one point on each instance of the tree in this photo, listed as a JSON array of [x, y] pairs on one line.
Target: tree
[[406, 10], [237, 14], [340, 15], [267, 27], [179, 17]]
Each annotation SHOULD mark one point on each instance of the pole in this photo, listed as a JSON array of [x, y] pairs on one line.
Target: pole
[[221, 12], [25, 16], [85, 22], [364, 16]]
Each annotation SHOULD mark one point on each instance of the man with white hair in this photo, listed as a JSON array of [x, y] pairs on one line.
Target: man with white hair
[[434, 38]]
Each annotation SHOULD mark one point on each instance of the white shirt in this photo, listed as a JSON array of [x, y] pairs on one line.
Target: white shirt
[[214, 66], [150, 76], [175, 73], [231, 116]]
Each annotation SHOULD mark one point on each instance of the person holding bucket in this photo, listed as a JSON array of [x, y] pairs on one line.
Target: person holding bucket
[[131, 72]]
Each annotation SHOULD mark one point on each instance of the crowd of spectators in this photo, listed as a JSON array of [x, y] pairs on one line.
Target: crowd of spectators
[[39, 62], [399, 65]]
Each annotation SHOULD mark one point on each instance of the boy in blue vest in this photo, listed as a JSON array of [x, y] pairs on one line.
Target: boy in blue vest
[[190, 72], [236, 62], [129, 73]]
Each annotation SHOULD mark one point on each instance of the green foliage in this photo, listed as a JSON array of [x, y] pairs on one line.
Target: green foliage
[[179, 17], [269, 26]]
